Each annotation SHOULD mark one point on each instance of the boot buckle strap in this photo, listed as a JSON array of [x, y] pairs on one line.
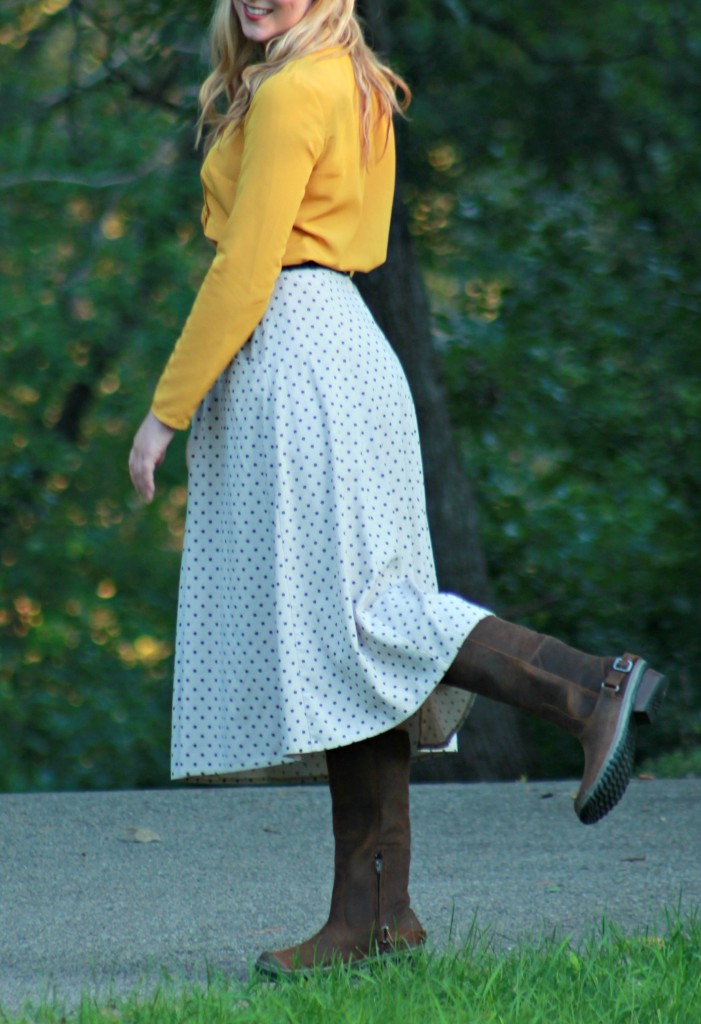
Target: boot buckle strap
[[614, 680]]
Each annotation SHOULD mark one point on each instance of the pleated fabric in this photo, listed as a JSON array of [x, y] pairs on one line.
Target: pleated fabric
[[309, 615]]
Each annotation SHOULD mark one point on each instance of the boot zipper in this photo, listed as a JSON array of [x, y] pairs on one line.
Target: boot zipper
[[383, 929]]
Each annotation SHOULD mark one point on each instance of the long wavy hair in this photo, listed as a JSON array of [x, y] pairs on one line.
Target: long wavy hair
[[238, 71]]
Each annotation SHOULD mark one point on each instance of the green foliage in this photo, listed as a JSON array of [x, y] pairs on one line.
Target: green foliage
[[101, 203], [613, 977], [552, 204], [677, 764], [552, 168]]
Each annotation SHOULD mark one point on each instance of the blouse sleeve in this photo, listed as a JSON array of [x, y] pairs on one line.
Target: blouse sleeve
[[283, 136]]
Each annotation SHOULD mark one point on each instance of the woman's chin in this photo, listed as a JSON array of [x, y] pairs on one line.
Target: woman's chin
[[256, 33]]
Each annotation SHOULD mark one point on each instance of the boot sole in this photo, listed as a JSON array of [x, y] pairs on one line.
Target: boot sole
[[277, 972], [643, 696]]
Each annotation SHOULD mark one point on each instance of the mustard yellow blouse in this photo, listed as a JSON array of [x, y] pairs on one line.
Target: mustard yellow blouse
[[289, 185]]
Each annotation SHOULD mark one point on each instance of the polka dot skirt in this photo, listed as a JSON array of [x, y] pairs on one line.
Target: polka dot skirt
[[308, 615]]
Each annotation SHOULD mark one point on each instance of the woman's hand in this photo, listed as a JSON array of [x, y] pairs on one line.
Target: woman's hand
[[147, 452]]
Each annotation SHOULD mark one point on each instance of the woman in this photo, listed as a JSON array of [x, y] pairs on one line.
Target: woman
[[312, 641]]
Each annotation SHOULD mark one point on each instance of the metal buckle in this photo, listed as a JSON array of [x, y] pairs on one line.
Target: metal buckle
[[611, 689], [623, 665]]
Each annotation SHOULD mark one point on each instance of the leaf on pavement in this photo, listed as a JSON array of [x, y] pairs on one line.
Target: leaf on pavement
[[140, 835]]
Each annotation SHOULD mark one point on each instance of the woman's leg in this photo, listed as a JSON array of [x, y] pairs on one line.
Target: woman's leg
[[370, 910], [597, 700]]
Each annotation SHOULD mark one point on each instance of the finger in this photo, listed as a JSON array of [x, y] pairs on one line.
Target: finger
[[146, 487], [141, 473]]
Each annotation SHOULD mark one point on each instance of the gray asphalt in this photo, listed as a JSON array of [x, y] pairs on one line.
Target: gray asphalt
[[101, 892]]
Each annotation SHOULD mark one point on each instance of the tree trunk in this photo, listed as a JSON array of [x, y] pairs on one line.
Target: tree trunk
[[491, 741], [492, 745]]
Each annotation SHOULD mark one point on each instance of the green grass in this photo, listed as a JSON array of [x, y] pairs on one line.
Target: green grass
[[610, 978], [678, 764]]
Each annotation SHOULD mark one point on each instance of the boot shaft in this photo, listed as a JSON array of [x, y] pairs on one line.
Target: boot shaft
[[530, 670], [369, 784]]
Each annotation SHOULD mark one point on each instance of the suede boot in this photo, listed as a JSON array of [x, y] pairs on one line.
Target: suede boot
[[597, 700], [370, 911]]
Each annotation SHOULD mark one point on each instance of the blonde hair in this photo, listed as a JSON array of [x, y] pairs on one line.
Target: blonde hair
[[236, 75]]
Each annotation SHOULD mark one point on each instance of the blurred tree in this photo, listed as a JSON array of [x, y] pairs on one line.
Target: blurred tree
[[101, 202], [551, 173], [554, 188]]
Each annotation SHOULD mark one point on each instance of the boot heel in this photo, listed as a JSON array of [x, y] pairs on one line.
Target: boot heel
[[648, 696]]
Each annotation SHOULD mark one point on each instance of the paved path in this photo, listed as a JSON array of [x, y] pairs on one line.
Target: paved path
[[101, 890]]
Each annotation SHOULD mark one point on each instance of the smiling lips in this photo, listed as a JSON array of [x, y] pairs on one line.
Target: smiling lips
[[255, 13]]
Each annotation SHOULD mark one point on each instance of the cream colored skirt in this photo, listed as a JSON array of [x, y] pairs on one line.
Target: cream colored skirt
[[309, 615]]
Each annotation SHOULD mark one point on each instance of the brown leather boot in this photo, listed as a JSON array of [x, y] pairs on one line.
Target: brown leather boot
[[370, 911], [598, 700]]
